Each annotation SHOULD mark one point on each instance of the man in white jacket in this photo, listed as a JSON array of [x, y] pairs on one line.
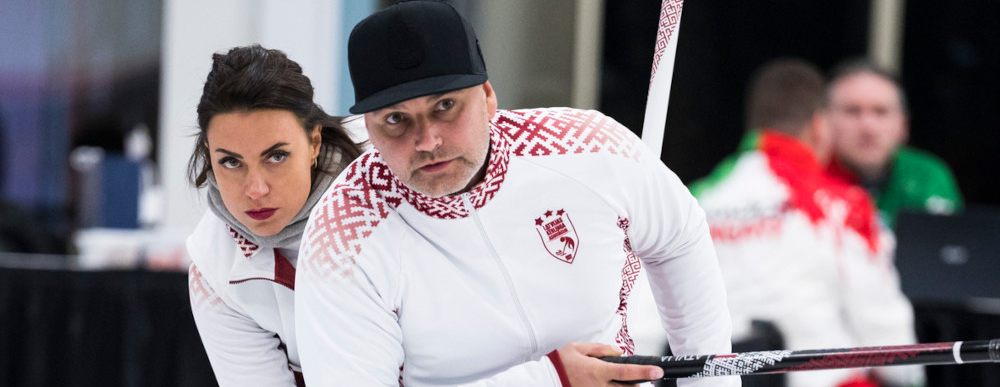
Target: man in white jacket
[[796, 247], [481, 247]]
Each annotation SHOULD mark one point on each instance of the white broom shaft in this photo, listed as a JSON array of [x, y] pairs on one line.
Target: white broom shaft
[[661, 75]]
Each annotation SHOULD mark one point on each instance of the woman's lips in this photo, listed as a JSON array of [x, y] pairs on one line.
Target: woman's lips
[[262, 213], [436, 166]]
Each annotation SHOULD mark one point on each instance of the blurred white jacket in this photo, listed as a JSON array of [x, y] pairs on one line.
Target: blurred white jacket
[[806, 253]]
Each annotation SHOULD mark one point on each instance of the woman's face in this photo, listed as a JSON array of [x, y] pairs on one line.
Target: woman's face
[[262, 160]]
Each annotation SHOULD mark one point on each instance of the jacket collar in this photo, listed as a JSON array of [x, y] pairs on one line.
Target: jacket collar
[[258, 263], [799, 169], [451, 207], [248, 248], [789, 150]]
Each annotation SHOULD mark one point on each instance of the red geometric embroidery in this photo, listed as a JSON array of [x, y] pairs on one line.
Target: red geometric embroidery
[[451, 207], [670, 15], [562, 131], [347, 215], [202, 295], [629, 274], [370, 191], [248, 248], [536, 133]]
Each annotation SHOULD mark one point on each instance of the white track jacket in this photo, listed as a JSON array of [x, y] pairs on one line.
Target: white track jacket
[[242, 298], [806, 253], [481, 289]]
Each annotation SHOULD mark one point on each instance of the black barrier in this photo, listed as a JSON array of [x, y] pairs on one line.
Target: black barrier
[[134, 328], [107, 328], [974, 320]]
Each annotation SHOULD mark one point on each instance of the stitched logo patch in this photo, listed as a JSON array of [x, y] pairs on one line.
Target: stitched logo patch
[[558, 235]]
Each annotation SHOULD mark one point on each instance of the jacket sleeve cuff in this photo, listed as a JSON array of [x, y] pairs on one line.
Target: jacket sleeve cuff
[[557, 363]]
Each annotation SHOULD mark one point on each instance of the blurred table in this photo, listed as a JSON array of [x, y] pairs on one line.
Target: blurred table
[[61, 327]]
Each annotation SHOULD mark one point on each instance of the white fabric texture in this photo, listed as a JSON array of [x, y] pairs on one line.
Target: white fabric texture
[[817, 280], [476, 289], [243, 314]]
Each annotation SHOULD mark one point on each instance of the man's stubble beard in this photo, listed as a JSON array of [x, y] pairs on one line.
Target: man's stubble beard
[[456, 182]]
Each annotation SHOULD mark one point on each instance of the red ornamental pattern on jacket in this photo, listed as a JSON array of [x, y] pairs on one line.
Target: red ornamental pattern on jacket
[[349, 214], [202, 295], [630, 272], [369, 191], [248, 248], [451, 207], [566, 131]]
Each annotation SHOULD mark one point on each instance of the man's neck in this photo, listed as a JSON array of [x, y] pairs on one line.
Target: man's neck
[[870, 174], [480, 175], [872, 179]]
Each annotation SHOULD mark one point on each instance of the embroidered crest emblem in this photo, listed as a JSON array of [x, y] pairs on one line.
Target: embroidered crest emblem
[[558, 235]]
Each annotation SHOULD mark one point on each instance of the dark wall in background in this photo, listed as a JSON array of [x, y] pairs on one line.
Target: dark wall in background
[[99, 329], [948, 54], [951, 72]]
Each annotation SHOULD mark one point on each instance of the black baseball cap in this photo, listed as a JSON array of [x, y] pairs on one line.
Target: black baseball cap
[[412, 49]]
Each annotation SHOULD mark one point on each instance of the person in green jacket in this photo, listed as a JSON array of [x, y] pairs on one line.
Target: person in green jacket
[[869, 119]]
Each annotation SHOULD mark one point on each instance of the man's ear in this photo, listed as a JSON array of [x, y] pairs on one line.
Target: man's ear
[[817, 134], [491, 99]]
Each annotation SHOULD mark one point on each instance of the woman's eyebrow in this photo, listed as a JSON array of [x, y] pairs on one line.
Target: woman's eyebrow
[[264, 153], [228, 152], [273, 147]]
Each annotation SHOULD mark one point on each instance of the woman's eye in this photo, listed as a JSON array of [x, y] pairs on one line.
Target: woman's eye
[[229, 162], [445, 104], [394, 118], [277, 157]]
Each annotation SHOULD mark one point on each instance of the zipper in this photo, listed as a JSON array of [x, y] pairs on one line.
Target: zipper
[[506, 276]]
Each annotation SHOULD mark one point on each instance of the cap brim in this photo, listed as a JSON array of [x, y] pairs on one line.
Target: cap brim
[[419, 88]]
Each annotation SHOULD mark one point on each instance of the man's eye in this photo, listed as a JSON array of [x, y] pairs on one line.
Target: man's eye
[[852, 110], [394, 118], [445, 104]]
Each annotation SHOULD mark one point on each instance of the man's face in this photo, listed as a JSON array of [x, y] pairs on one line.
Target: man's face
[[438, 144], [867, 121]]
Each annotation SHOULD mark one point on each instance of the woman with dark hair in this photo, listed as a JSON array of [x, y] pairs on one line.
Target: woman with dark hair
[[266, 153]]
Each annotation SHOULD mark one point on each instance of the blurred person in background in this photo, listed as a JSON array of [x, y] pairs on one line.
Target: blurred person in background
[[266, 153], [797, 248], [869, 119]]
